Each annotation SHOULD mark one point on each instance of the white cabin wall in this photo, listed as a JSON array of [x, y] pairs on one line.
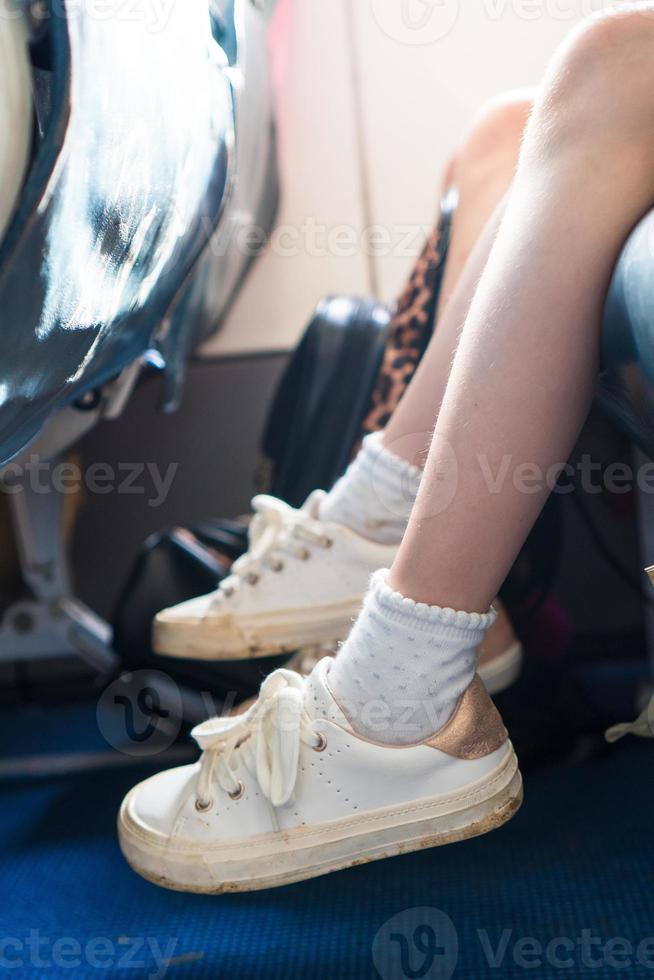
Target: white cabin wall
[[369, 111]]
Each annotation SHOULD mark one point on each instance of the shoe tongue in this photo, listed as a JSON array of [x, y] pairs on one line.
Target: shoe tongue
[[318, 699]]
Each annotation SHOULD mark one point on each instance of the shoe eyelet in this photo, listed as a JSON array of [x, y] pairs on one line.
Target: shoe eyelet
[[252, 578], [305, 554], [227, 591], [321, 745], [278, 566], [327, 543], [238, 793], [202, 806]]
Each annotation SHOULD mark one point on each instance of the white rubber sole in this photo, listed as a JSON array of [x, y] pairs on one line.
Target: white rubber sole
[[256, 635], [273, 859]]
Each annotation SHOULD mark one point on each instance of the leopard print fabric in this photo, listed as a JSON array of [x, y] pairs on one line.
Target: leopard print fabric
[[408, 334]]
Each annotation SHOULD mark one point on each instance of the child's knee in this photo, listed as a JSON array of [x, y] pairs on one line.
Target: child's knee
[[599, 85], [499, 125], [493, 142]]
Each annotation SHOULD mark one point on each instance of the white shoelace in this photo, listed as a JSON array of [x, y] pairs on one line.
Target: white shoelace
[[276, 529], [266, 738], [643, 726]]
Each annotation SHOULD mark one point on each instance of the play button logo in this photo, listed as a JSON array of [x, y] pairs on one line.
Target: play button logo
[[416, 944], [416, 21]]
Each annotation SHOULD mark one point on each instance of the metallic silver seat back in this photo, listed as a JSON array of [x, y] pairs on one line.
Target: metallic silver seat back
[[135, 170]]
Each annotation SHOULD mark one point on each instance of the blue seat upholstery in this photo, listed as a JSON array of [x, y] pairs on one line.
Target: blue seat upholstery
[[626, 387]]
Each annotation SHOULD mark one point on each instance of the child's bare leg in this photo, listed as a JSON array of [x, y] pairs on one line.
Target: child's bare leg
[[525, 369], [482, 170], [357, 517], [523, 375]]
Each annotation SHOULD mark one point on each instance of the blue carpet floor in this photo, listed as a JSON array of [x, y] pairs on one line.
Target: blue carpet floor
[[566, 889]]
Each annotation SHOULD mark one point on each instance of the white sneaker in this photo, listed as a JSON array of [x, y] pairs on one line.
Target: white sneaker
[[288, 791], [300, 584]]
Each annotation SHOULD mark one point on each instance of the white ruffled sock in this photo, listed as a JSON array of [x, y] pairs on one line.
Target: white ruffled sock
[[375, 495], [404, 666]]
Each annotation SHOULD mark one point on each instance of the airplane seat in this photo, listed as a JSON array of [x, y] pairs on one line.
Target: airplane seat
[[626, 388], [154, 141], [626, 384]]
